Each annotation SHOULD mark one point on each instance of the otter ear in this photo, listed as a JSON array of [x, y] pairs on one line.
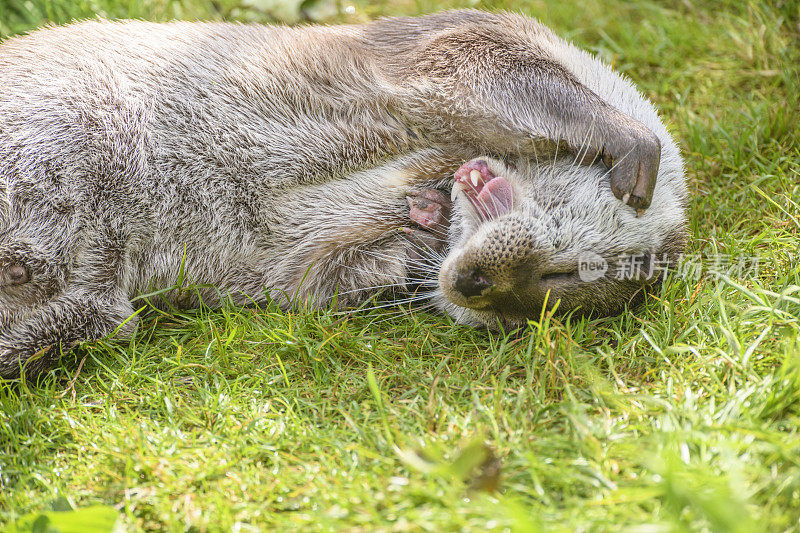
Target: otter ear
[[13, 275]]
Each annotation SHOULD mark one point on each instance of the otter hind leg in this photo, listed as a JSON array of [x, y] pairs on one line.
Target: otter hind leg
[[33, 344], [51, 300]]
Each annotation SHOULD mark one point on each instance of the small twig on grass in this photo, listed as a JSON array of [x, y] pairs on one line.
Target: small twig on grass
[[74, 378]]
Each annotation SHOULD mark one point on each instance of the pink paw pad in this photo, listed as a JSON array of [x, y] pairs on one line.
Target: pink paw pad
[[492, 196], [430, 209]]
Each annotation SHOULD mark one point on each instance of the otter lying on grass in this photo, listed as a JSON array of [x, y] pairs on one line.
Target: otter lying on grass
[[465, 157]]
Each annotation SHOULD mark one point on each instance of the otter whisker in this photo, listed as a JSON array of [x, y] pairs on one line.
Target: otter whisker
[[413, 262], [384, 286], [427, 250], [555, 157], [620, 160], [584, 147], [430, 235], [400, 307], [409, 279], [412, 299], [375, 273], [402, 311], [397, 303], [408, 261]]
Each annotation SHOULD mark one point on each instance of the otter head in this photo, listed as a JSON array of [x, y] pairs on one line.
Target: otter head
[[533, 235]]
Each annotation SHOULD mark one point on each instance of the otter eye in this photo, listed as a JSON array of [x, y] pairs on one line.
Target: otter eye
[[13, 275]]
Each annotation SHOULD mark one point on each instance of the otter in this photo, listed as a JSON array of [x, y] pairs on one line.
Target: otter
[[465, 157]]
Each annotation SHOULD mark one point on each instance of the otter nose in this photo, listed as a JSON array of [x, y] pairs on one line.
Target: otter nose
[[471, 283]]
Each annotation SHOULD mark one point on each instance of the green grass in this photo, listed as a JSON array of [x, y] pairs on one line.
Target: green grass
[[681, 417]]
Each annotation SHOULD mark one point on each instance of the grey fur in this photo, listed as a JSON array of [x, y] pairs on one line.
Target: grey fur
[[252, 158]]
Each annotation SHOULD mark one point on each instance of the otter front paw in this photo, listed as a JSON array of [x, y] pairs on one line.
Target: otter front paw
[[633, 153], [28, 360], [634, 168], [430, 212], [430, 209]]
